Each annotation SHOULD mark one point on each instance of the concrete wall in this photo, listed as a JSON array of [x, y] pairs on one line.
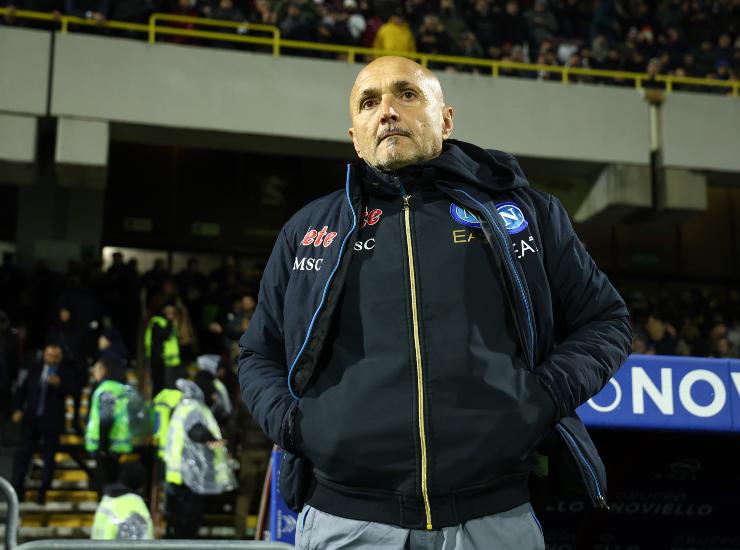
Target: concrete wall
[[24, 70], [701, 131]]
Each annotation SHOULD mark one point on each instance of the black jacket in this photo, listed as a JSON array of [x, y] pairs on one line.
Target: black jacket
[[51, 422], [570, 323]]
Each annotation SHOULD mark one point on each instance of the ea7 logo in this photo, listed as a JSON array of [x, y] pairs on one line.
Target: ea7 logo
[[317, 238], [307, 264]]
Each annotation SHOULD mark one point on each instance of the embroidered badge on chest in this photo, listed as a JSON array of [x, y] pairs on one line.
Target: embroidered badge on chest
[[463, 216], [512, 216]]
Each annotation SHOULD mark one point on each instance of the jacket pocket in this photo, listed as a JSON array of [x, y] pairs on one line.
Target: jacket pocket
[[580, 468], [293, 480]]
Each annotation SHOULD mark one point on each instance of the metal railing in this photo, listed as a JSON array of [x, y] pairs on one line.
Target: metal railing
[[84, 544], [12, 519], [158, 26]]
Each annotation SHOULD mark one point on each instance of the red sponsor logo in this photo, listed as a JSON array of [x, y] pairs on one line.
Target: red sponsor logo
[[370, 218], [318, 238]]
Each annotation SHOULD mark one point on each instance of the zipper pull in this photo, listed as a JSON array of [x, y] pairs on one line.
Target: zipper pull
[[602, 502], [406, 199]]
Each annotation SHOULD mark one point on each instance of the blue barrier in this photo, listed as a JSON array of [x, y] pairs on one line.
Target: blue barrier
[[283, 520], [669, 393]]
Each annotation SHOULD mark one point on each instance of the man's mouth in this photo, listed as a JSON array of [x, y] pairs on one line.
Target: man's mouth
[[392, 133]]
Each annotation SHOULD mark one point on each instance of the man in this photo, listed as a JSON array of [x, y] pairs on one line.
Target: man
[[162, 349], [419, 333], [395, 35], [123, 514], [40, 406], [108, 434]]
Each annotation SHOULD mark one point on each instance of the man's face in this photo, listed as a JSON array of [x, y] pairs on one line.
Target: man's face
[[170, 312], [52, 355], [398, 114]]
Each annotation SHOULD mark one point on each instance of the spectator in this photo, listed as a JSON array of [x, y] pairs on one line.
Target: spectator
[[39, 405], [356, 23], [73, 337], [513, 27], [334, 26], [133, 11], [454, 24], [298, 21], [94, 10], [661, 335], [110, 345], [395, 35], [226, 11], [481, 21], [467, 46], [541, 23], [432, 38]]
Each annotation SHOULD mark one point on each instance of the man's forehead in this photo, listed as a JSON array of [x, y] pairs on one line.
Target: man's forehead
[[382, 73]]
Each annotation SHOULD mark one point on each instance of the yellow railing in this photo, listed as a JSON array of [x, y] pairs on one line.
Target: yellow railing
[[494, 67], [194, 33]]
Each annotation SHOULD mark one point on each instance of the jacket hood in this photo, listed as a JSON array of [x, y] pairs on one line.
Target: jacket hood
[[488, 169], [190, 390]]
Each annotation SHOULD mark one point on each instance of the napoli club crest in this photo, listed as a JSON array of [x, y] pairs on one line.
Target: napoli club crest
[[464, 217], [512, 216]]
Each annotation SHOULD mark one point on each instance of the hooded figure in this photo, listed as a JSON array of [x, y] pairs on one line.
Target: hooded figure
[[194, 453], [195, 460]]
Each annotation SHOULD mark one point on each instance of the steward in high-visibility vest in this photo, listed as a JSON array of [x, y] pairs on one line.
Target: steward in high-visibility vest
[[123, 514], [196, 462], [163, 406], [194, 452], [108, 423], [108, 419], [162, 349], [108, 433]]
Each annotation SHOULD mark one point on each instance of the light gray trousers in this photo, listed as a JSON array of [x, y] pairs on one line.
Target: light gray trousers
[[515, 529]]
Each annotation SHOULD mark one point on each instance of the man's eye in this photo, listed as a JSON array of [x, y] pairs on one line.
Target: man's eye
[[368, 103], [408, 94]]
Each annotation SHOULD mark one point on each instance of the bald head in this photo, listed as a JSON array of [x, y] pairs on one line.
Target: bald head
[[398, 113]]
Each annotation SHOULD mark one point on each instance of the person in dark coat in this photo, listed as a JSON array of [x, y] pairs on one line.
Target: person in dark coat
[[74, 339], [40, 406]]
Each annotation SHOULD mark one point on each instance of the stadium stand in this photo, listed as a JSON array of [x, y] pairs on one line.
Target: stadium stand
[[683, 40]]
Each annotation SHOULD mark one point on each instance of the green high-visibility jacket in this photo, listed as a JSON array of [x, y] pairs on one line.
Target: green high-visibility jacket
[[178, 443], [170, 347], [164, 404], [111, 397], [122, 518]]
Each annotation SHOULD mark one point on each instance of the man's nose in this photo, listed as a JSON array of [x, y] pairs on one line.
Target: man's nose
[[388, 112]]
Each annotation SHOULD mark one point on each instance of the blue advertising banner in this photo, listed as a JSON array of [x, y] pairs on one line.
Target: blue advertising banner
[[671, 393], [283, 520]]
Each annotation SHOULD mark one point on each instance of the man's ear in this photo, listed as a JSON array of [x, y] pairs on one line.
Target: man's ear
[[448, 114], [351, 133]]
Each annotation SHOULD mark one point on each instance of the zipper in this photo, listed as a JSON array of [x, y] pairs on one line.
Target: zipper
[[571, 442], [417, 352], [326, 287], [506, 245]]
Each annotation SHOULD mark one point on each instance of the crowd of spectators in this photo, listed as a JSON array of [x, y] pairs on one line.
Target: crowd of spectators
[[697, 323], [93, 312], [697, 38]]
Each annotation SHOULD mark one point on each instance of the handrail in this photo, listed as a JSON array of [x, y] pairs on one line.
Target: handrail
[[11, 525], [494, 66], [239, 26], [72, 544]]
